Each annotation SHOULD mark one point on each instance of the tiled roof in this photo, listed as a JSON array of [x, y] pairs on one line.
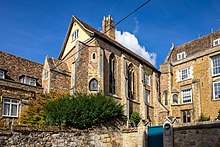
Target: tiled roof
[[56, 65], [196, 46], [93, 32], [17, 66]]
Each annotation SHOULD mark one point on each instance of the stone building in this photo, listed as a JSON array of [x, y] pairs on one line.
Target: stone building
[[190, 79], [91, 61], [20, 81]]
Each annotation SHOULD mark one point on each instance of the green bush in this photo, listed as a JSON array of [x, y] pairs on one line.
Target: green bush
[[82, 111], [134, 118], [204, 118]]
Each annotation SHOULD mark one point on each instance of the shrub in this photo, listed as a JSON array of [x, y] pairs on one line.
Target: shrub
[[204, 118], [134, 118], [34, 115], [82, 111]]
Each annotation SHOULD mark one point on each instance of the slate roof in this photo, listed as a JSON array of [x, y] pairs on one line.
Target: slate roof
[[16, 67], [195, 46], [95, 33]]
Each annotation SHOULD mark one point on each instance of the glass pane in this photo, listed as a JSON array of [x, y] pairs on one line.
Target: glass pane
[[6, 100], [6, 109], [14, 110], [14, 101]]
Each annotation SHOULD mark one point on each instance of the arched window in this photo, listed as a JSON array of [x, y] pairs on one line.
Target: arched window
[[112, 74], [175, 99], [131, 88], [93, 85], [165, 95]]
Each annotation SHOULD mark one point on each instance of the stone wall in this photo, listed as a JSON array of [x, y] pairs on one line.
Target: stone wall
[[24, 136], [112, 134], [199, 135]]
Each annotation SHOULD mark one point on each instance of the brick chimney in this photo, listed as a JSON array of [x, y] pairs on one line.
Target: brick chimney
[[108, 27]]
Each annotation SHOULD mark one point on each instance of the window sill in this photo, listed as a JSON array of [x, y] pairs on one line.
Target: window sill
[[188, 103], [6, 116], [216, 75], [184, 80], [133, 100], [216, 99], [176, 104]]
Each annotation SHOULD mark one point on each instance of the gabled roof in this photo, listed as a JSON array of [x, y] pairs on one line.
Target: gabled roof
[[95, 33], [53, 65], [195, 46]]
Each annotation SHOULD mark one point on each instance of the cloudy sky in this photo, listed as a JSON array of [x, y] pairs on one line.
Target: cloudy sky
[[35, 28]]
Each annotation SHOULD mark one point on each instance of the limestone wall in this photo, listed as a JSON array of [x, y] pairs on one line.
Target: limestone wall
[[19, 136], [200, 135], [112, 134]]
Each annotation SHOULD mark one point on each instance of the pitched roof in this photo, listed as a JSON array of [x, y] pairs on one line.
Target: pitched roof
[[18, 66], [95, 33], [195, 46], [62, 68]]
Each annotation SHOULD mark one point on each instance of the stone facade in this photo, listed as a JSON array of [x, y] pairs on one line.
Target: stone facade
[[93, 56], [20, 81], [110, 134], [200, 135], [191, 73], [19, 136]]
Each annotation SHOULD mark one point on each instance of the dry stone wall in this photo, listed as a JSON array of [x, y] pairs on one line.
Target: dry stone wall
[[19, 136]]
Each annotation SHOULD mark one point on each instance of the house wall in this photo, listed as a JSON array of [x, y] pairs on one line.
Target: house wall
[[201, 84], [10, 86]]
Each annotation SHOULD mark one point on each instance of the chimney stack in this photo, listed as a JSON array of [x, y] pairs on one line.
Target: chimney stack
[[108, 27]]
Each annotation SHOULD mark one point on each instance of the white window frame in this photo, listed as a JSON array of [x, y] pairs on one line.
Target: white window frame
[[213, 86], [147, 96], [2, 74], [75, 35], [146, 79], [216, 42], [181, 56], [46, 72], [188, 74], [28, 80], [218, 66], [10, 107], [190, 95]]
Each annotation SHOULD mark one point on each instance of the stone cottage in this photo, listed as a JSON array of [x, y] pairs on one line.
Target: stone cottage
[[20, 81]]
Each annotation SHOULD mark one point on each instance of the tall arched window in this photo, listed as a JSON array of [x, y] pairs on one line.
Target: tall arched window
[[165, 95], [175, 99], [93, 85], [131, 88], [112, 74]]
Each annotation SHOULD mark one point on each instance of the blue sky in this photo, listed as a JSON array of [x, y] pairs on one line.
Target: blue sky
[[35, 28]]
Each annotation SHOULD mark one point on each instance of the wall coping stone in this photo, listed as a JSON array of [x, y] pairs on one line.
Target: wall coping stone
[[198, 125]]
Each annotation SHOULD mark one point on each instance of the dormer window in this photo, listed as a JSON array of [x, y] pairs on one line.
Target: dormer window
[[28, 80], [2, 74], [181, 55], [75, 35], [216, 42]]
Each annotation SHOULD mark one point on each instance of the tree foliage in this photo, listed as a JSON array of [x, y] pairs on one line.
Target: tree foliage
[[34, 115], [82, 111], [134, 118]]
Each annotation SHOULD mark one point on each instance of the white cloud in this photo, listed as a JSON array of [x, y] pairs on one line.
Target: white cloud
[[131, 42]]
